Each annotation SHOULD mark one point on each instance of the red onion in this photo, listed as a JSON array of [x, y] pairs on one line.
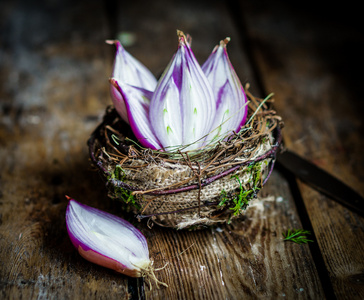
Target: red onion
[[109, 241], [190, 106]]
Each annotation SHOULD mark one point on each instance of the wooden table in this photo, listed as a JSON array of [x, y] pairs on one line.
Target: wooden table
[[54, 90]]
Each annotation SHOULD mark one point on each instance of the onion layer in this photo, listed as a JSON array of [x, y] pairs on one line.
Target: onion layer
[[109, 241]]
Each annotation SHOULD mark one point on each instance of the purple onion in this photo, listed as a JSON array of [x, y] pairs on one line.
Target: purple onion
[[107, 240], [190, 107], [137, 108], [231, 101], [182, 108], [130, 71]]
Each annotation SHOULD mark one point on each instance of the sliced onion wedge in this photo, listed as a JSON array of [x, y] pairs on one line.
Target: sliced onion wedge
[[108, 241], [137, 106], [231, 101], [182, 108], [129, 70]]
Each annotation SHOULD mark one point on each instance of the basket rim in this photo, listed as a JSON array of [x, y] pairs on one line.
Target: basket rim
[[111, 115]]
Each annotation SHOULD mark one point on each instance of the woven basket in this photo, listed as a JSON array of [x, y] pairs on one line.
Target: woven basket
[[188, 190]]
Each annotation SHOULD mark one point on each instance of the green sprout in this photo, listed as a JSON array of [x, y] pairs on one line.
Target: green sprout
[[297, 236], [242, 199], [121, 193], [224, 198]]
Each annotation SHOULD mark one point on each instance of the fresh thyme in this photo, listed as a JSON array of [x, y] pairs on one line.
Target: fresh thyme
[[297, 236]]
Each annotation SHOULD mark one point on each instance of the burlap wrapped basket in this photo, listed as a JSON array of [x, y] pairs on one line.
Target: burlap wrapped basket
[[188, 190]]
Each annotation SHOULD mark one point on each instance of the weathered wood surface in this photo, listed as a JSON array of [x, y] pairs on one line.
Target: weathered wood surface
[[314, 75], [54, 90]]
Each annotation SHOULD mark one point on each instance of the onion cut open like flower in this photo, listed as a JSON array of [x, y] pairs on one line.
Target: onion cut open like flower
[[108, 241], [188, 108]]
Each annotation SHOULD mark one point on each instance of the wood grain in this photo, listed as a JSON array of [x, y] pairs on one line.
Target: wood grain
[[247, 259], [51, 99], [54, 71], [243, 260], [306, 64]]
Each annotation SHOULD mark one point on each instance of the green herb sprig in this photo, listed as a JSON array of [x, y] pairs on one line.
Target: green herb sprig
[[297, 236]]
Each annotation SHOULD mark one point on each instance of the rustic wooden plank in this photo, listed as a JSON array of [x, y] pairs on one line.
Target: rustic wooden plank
[[306, 61], [52, 96], [51, 99], [247, 259]]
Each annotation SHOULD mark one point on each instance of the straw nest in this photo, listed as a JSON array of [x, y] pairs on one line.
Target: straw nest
[[188, 189]]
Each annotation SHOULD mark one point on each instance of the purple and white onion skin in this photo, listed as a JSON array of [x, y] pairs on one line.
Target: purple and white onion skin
[[107, 240], [231, 101], [128, 70], [190, 106], [182, 107]]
